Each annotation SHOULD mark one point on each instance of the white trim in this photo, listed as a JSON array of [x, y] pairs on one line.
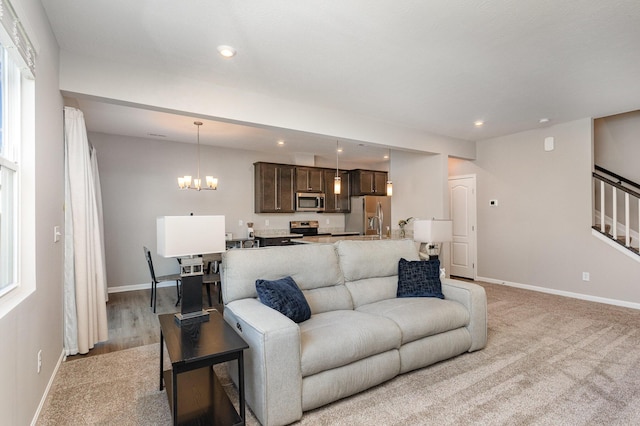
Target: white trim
[[134, 287], [47, 389], [621, 248], [473, 175], [635, 237], [572, 295]]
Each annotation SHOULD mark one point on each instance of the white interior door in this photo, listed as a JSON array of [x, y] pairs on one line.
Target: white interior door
[[462, 193]]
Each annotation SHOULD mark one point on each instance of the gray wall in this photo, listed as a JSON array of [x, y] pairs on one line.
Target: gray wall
[[138, 179], [36, 323], [617, 144], [540, 234]]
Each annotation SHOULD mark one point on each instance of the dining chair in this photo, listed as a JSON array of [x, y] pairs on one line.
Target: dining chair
[[213, 275], [155, 280]]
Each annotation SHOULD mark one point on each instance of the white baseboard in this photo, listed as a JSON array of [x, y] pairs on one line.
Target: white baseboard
[[580, 296], [134, 287], [47, 389]]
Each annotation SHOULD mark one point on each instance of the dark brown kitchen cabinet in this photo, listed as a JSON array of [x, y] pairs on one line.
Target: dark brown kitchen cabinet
[[274, 188], [309, 179], [337, 203], [368, 182]]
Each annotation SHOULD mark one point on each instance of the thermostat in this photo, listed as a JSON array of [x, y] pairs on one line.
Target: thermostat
[[548, 143]]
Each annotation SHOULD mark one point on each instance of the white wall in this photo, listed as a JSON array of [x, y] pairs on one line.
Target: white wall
[[540, 234], [36, 323]]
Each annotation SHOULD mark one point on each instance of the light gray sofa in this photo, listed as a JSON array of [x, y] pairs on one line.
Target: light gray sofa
[[359, 334]]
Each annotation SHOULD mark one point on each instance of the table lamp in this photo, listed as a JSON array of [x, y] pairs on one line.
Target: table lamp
[[431, 234], [188, 238]]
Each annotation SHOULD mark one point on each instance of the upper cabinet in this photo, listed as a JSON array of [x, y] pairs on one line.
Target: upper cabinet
[[274, 188], [309, 179], [368, 182], [337, 203]]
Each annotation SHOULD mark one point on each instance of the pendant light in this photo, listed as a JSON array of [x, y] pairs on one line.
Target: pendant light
[[337, 181], [185, 182], [389, 183]]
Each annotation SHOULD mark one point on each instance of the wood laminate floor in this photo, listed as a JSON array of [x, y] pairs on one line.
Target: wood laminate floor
[[132, 322]]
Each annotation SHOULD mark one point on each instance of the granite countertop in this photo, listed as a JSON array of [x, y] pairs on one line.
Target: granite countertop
[[278, 236], [333, 239]]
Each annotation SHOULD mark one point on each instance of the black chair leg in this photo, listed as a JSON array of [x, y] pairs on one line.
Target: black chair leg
[[155, 293], [209, 293]]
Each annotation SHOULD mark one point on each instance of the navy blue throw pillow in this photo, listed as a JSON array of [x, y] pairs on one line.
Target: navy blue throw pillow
[[284, 296], [420, 278]]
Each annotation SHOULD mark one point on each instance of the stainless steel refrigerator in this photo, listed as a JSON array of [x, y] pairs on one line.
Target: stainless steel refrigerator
[[366, 210]]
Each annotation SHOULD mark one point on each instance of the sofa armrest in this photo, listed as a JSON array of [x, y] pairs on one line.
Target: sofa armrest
[[273, 377], [474, 298]]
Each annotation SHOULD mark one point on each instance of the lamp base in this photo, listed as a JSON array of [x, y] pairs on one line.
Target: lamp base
[[191, 317]]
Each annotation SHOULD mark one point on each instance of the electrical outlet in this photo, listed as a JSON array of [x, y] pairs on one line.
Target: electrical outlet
[[39, 360], [240, 223], [586, 276], [266, 222], [328, 221]]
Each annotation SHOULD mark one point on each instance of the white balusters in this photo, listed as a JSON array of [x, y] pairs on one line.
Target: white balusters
[[627, 224], [602, 215], [614, 214]]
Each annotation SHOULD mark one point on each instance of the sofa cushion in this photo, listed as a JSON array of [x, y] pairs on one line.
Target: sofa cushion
[[375, 258], [310, 265], [369, 290], [333, 339], [419, 317], [419, 278], [284, 296]]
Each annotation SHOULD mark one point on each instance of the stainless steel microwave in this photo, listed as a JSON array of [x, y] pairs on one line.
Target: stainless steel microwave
[[310, 202]]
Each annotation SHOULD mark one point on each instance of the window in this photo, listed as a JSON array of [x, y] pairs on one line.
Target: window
[[9, 169]]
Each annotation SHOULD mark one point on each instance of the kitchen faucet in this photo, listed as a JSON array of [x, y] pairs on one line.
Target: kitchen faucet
[[373, 219]]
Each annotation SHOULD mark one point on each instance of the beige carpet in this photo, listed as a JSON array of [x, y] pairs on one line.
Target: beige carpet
[[549, 361]]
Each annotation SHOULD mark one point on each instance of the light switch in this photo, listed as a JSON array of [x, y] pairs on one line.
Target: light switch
[[56, 234]]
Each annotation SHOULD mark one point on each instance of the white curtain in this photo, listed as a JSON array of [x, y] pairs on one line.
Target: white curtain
[[85, 312]]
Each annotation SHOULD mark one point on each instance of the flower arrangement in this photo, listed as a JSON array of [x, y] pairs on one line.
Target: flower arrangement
[[402, 223]]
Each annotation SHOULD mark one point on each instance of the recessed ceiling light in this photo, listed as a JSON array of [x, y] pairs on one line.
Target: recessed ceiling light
[[227, 51], [543, 120], [478, 123], [386, 156], [340, 149], [280, 143]]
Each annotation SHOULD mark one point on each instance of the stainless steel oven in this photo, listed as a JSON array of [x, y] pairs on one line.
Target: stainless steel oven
[[310, 202]]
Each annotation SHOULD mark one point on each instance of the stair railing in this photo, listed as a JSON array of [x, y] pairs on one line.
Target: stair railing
[[631, 203]]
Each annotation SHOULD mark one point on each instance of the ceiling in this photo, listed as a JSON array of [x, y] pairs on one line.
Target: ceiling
[[435, 66]]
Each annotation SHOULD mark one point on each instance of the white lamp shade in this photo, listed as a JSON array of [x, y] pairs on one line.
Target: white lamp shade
[[433, 231], [190, 235]]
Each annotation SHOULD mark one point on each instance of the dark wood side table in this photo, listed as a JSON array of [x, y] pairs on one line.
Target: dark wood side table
[[194, 392]]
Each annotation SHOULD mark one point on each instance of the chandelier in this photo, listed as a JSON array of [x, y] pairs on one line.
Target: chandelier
[[185, 182]]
